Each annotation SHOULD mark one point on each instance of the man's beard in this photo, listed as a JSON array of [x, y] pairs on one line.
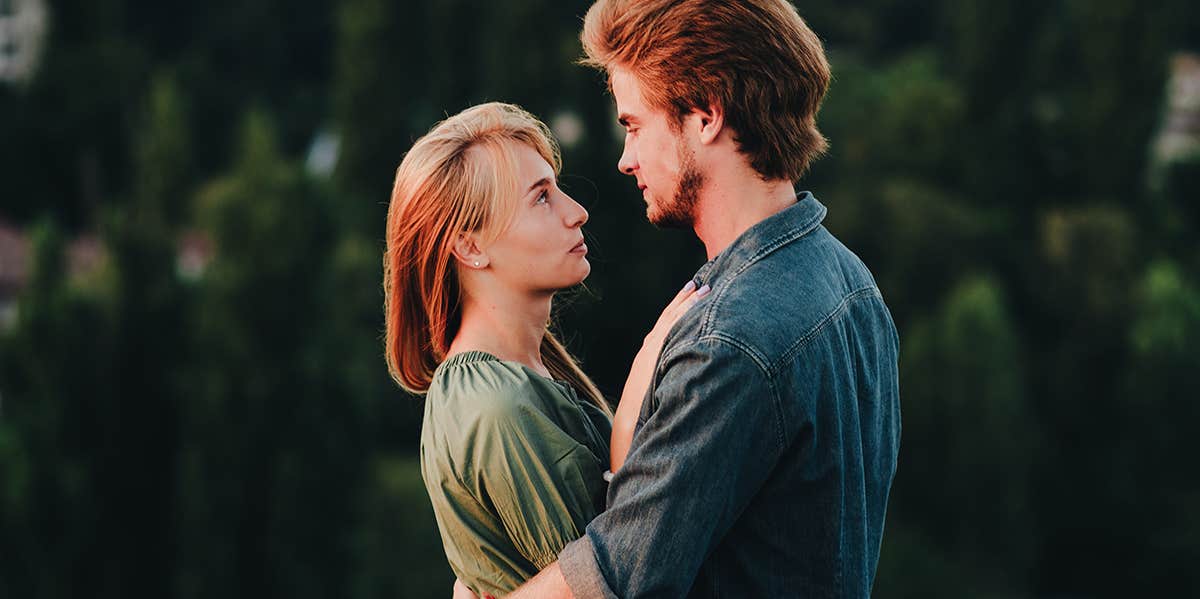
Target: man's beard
[[680, 211]]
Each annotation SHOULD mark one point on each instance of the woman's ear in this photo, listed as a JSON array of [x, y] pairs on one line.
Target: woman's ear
[[468, 253]]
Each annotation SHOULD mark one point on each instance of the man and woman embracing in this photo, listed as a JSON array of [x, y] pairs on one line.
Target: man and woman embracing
[[755, 441]]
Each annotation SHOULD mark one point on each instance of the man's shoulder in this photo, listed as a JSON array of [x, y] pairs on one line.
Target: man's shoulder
[[782, 298]]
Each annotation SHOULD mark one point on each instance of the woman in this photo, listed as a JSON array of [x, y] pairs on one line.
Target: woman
[[515, 438]]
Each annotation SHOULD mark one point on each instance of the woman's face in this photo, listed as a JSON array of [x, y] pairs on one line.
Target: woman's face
[[542, 251]]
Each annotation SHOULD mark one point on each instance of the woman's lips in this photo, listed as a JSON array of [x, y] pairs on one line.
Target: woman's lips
[[580, 248]]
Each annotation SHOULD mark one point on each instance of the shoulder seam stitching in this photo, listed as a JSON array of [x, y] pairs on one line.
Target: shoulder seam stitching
[[820, 326]]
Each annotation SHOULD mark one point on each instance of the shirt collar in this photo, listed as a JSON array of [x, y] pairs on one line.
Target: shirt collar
[[766, 236]]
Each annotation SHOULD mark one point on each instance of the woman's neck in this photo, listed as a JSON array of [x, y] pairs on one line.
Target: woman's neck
[[509, 327]]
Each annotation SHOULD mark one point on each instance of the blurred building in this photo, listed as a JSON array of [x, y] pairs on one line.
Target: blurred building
[[85, 255], [22, 31], [193, 253], [14, 260], [323, 154], [1180, 135]]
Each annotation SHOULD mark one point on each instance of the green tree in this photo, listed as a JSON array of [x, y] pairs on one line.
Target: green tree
[[1089, 262], [274, 447], [50, 372], [163, 155], [398, 549], [1159, 481], [94, 397], [379, 88], [969, 446]]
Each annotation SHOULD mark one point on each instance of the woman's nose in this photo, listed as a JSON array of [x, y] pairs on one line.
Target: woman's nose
[[576, 215]]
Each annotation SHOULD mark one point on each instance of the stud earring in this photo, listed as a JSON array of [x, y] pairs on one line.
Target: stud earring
[[476, 263]]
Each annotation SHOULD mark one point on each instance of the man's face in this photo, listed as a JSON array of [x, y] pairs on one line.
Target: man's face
[[657, 154]]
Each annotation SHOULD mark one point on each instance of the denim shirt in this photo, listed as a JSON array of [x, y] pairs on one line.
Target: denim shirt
[[767, 443]]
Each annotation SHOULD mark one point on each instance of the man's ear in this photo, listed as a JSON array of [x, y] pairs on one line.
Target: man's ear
[[711, 120], [468, 253]]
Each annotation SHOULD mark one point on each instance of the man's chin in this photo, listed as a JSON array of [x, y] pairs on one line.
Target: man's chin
[[666, 219]]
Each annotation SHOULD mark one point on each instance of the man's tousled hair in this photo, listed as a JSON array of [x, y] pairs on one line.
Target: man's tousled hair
[[757, 59]]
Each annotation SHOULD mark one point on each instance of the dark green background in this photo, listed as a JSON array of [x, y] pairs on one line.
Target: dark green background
[[236, 434]]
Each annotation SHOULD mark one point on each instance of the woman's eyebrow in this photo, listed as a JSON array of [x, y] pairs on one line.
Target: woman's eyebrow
[[539, 183]]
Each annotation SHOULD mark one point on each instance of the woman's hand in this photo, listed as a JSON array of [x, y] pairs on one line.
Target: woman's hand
[[641, 373]]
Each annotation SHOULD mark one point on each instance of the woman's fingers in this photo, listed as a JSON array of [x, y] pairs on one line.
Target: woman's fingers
[[689, 290], [677, 308], [689, 287], [687, 302], [684, 300]]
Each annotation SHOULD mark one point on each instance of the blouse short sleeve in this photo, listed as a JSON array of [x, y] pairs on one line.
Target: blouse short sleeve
[[545, 485], [513, 465]]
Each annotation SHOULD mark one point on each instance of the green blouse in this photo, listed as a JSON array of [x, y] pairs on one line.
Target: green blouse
[[513, 463]]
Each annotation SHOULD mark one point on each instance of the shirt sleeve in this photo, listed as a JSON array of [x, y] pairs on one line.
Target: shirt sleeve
[[710, 440], [544, 485]]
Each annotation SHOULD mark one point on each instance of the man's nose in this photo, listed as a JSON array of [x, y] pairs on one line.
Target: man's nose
[[628, 162]]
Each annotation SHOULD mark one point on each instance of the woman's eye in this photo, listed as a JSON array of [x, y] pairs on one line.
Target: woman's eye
[[542, 198]]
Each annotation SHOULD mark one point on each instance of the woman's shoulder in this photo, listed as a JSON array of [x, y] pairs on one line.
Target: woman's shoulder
[[478, 382], [478, 402]]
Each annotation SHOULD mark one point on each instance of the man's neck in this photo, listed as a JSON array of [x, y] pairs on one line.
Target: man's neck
[[729, 205], [506, 325]]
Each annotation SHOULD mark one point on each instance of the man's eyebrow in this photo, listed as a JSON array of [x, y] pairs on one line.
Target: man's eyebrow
[[539, 183]]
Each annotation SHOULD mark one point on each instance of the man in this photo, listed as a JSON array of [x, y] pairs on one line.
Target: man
[[767, 444]]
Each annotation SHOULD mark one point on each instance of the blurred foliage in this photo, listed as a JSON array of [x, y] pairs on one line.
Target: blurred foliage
[[233, 432]]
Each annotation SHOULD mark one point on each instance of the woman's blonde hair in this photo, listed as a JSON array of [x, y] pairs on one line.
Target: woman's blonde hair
[[460, 177]]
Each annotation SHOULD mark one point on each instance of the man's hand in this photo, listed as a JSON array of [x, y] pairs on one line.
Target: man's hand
[[462, 592]]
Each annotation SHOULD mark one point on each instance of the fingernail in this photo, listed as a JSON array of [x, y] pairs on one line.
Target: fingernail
[[690, 286], [703, 291]]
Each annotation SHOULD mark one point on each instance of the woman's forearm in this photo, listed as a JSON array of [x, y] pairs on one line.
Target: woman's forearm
[[641, 373], [625, 420]]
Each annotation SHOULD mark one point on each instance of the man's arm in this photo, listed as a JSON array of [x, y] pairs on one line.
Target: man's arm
[[711, 440], [548, 584]]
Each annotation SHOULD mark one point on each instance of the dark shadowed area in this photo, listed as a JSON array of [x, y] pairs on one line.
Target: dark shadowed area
[[193, 396]]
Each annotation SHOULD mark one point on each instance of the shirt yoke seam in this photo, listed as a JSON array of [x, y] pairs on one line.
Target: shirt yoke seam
[[755, 357], [833, 315], [780, 429]]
